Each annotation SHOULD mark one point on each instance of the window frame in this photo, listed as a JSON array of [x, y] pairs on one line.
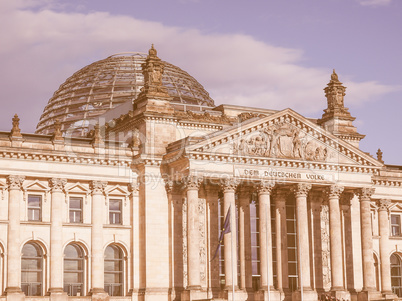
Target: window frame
[[40, 208], [42, 271], [395, 225], [115, 212], [109, 286], [83, 261], [81, 210]]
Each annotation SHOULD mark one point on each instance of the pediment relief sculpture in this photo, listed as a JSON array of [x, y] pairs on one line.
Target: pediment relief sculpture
[[285, 135], [281, 141]]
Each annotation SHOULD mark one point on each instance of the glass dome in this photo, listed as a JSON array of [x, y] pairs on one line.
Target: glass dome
[[105, 84]]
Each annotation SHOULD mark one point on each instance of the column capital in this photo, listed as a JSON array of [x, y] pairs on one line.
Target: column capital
[[265, 187], [365, 193], [301, 189], [334, 191], [384, 204], [346, 198], [15, 182], [98, 187], [57, 184], [192, 182], [229, 185]]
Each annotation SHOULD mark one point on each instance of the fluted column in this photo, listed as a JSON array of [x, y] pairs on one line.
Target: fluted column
[[383, 219], [280, 230], [56, 235], [335, 230], [303, 258], [193, 241], [367, 239], [229, 188], [97, 259], [13, 237], [264, 198]]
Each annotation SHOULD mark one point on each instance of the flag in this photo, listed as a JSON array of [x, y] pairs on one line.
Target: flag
[[225, 229]]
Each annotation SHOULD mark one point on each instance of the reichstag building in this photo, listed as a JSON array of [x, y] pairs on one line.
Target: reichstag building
[[136, 186]]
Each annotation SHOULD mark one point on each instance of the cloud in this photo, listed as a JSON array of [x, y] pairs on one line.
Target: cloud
[[41, 48], [374, 2]]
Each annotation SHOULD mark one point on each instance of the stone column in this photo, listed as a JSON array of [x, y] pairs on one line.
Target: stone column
[[280, 230], [244, 200], [229, 189], [13, 237], [367, 239], [135, 239], [193, 236], [335, 236], [383, 219], [303, 244], [97, 256], [336, 243], [264, 191], [56, 236]]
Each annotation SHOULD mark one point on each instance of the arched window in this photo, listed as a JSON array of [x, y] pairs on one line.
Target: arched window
[[114, 271], [396, 277], [74, 270], [32, 269]]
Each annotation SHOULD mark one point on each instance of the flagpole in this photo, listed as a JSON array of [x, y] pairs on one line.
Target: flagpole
[[266, 246], [232, 227]]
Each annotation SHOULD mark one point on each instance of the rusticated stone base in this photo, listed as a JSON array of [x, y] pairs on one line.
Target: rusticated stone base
[[194, 294], [14, 294], [98, 294], [369, 295], [275, 295], [57, 294], [340, 294], [308, 295], [239, 295]]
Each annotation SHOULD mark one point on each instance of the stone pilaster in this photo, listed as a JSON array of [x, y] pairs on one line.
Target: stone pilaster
[[13, 290], [56, 244], [243, 201], [383, 220], [97, 256], [303, 244], [335, 229], [135, 239]]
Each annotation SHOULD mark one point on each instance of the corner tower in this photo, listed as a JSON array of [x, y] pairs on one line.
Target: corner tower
[[336, 118]]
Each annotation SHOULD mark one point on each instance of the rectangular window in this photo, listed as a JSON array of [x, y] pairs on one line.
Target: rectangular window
[[115, 211], [395, 225], [75, 210], [34, 207]]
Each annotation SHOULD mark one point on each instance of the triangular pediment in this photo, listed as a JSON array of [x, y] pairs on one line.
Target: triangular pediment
[[36, 186], [116, 190], [77, 188], [285, 135]]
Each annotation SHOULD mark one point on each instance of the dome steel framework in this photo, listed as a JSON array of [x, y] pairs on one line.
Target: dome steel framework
[[107, 83]]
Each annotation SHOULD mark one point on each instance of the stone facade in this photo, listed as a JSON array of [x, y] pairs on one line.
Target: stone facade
[[137, 211]]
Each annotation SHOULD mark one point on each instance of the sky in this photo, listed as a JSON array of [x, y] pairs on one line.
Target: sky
[[262, 53]]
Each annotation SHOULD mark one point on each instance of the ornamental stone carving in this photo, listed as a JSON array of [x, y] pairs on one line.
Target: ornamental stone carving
[[281, 140], [229, 185], [384, 204], [326, 255], [301, 190], [134, 187], [98, 187], [57, 184], [15, 182], [365, 193], [265, 187], [334, 191], [192, 182], [346, 198]]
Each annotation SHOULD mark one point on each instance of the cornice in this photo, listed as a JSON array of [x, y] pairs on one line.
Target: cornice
[[260, 161], [379, 181], [94, 159]]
